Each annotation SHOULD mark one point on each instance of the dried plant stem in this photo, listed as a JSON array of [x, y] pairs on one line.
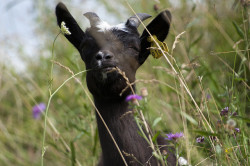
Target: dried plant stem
[[204, 159], [229, 52], [184, 121]]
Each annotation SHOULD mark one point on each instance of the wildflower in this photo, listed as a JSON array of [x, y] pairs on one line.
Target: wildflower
[[182, 161], [213, 138], [224, 111], [237, 130], [64, 29], [144, 92], [228, 150], [164, 153], [37, 110], [174, 136], [231, 123], [234, 114], [208, 96], [199, 139], [133, 98]]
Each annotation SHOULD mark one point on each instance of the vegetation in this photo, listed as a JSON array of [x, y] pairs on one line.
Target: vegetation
[[204, 93]]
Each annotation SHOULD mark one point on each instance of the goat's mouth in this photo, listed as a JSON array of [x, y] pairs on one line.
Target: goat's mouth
[[108, 69], [106, 72]]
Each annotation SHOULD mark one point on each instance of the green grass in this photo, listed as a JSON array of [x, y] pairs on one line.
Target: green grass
[[212, 62]]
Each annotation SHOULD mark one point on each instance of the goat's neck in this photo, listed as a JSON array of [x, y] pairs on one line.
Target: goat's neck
[[124, 129], [110, 109]]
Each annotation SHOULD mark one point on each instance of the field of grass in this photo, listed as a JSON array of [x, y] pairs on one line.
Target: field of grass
[[201, 88]]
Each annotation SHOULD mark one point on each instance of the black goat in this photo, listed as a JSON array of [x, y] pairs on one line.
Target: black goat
[[103, 47]]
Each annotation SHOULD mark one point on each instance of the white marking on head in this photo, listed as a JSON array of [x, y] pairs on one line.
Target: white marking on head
[[122, 27], [104, 26]]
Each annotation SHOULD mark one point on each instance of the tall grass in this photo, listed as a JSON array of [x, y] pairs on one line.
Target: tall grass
[[189, 89]]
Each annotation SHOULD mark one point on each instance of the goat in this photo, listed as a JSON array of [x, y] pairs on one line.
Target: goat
[[103, 47]]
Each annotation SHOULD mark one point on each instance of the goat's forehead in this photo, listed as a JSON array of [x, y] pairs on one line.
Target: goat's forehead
[[103, 26], [112, 34]]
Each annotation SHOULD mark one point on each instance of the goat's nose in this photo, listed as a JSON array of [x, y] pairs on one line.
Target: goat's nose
[[104, 56], [99, 56], [108, 56]]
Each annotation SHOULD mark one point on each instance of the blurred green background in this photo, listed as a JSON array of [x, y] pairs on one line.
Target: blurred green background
[[212, 56]]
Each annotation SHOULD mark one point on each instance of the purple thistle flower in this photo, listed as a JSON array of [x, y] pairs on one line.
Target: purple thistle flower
[[224, 111], [133, 97], [235, 114], [200, 139], [37, 110], [174, 136], [237, 130], [208, 96]]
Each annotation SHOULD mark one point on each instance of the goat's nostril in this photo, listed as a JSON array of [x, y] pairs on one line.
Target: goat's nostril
[[108, 56], [104, 56], [99, 56]]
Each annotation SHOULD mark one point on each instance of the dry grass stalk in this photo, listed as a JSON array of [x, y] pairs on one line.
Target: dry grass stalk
[[176, 41]]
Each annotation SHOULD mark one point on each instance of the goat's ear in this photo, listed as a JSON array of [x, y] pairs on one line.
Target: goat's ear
[[77, 34], [159, 27]]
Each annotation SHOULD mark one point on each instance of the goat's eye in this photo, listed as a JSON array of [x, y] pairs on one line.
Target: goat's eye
[[134, 47]]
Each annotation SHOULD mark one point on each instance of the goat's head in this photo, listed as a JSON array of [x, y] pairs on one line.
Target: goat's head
[[103, 47]]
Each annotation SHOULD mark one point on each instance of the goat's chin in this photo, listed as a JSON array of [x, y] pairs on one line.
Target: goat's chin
[[107, 76], [106, 84]]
